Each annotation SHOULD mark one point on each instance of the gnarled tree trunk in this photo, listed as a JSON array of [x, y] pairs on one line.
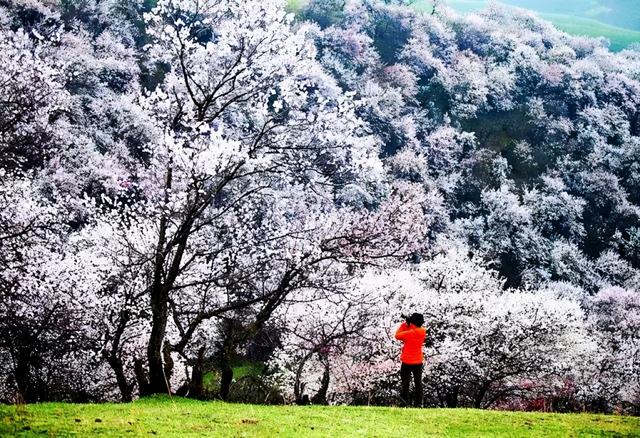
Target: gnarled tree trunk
[[126, 388], [320, 398], [196, 385]]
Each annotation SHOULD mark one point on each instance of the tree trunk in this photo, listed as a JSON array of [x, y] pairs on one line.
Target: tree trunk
[[159, 294], [168, 363], [320, 398], [226, 377], [159, 308], [114, 359], [196, 386], [451, 397], [141, 377], [482, 391], [126, 388], [226, 351], [298, 385], [23, 377]]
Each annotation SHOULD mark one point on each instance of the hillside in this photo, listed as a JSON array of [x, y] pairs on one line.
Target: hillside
[[224, 200], [618, 21]]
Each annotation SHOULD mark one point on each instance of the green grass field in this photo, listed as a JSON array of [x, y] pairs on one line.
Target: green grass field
[[573, 24], [181, 417], [618, 37]]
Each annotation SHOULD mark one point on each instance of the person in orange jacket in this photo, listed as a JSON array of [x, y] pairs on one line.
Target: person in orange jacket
[[412, 334]]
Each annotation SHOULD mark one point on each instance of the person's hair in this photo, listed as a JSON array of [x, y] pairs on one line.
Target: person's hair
[[416, 319]]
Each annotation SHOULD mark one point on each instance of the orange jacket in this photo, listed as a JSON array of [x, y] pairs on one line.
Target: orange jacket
[[413, 339]]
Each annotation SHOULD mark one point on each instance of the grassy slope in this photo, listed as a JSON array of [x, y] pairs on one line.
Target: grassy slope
[[618, 37], [575, 25], [181, 417]]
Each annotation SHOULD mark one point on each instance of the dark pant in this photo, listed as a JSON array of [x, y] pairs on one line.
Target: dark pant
[[406, 371]]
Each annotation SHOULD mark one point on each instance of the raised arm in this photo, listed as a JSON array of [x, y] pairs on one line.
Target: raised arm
[[403, 331]]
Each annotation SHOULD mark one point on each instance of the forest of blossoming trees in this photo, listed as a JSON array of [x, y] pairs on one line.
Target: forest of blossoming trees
[[191, 185]]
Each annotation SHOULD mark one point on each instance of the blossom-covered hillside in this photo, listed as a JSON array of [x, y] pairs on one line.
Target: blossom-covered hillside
[[191, 185]]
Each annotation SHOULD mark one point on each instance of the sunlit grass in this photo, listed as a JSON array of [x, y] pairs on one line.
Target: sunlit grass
[[182, 417]]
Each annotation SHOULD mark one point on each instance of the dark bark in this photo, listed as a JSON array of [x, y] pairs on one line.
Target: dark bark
[[298, 385], [168, 362], [141, 377], [226, 377], [320, 398], [157, 383], [166, 271], [479, 397], [114, 359], [126, 388], [23, 378], [159, 308], [167, 266], [196, 385], [225, 357], [451, 397]]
